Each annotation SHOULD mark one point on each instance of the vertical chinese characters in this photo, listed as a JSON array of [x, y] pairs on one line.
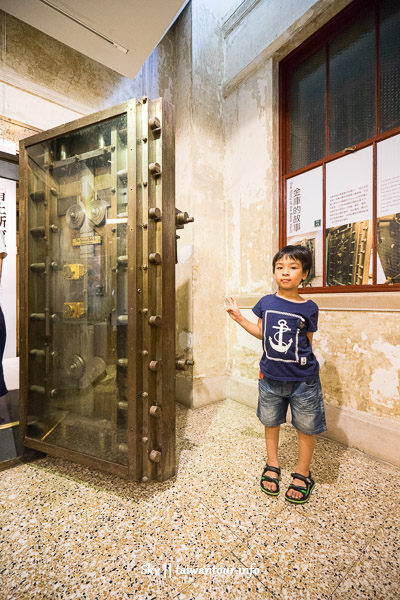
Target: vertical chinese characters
[[3, 214]]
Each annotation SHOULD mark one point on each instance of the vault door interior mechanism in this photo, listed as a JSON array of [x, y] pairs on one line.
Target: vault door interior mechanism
[[98, 226]]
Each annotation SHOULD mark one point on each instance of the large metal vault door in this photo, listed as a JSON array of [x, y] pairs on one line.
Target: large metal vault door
[[98, 290]]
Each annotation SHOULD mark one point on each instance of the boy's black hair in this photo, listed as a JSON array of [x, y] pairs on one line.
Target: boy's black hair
[[301, 253]]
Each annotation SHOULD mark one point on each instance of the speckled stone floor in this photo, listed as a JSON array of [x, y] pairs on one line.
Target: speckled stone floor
[[68, 532]]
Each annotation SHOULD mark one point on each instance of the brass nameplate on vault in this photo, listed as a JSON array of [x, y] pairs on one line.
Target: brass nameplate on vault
[[87, 241]]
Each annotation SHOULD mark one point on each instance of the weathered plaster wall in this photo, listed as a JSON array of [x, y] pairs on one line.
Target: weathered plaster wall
[[359, 354], [250, 184], [207, 191], [267, 20], [182, 99], [245, 350]]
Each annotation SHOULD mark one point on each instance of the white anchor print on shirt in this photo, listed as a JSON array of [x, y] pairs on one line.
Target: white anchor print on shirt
[[281, 346], [279, 342]]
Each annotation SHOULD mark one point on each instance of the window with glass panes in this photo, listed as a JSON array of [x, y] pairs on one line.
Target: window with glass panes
[[340, 149]]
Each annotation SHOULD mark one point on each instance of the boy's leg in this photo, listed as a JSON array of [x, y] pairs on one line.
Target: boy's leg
[[306, 450], [271, 442]]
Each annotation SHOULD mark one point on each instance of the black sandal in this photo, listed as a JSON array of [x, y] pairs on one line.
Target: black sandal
[[271, 480], [305, 491]]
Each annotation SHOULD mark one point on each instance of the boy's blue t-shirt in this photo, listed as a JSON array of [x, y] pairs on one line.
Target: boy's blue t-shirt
[[287, 355]]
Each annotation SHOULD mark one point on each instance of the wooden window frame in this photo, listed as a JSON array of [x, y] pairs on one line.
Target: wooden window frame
[[318, 40]]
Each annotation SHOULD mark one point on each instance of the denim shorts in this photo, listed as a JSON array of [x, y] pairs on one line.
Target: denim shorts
[[305, 400]]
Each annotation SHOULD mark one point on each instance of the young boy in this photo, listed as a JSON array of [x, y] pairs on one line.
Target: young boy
[[289, 371]]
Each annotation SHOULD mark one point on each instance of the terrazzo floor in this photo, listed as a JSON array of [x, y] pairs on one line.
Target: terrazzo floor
[[69, 532]]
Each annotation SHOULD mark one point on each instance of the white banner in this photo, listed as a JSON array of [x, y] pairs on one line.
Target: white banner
[[388, 176], [304, 197], [8, 287], [349, 188]]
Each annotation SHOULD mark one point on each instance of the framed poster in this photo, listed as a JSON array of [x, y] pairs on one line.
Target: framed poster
[[388, 210], [349, 212], [304, 211]]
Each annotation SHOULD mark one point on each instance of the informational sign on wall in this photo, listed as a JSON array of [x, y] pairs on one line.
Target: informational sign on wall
[[304, 202], [8, 287], [388, 210], [388, 176], [349, 211], [349, 188]]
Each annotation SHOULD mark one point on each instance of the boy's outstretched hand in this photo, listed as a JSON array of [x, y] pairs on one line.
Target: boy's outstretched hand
[[232, 309]]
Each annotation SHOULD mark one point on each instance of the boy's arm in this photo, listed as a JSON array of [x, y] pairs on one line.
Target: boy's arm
[[313, 324], [235, 314]]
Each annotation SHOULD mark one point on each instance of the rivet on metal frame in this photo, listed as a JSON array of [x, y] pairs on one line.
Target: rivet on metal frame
[[155, 169], [155, 411], [155, 365], [155, 456], [155, 258]]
